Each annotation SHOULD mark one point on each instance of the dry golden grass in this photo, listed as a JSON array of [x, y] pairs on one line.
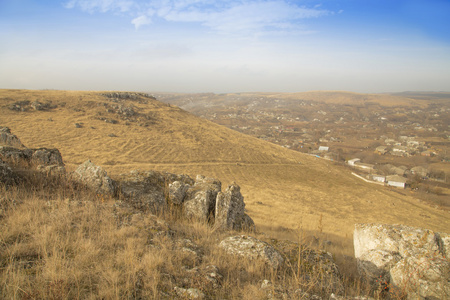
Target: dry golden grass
[[281, 187], [60, 241]]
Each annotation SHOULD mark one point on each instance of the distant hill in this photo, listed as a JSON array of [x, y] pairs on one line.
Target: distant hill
[[282, 188]]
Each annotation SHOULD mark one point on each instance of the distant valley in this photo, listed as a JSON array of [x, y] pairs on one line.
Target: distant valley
[[405, 134]]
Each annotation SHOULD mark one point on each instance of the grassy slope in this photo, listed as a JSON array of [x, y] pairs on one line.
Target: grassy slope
[[281, 187]]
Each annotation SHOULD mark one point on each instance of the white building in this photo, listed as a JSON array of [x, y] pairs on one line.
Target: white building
[[352, 162], [397, 181]]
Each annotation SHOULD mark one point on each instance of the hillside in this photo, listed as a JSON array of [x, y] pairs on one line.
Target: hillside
[[282, 188]]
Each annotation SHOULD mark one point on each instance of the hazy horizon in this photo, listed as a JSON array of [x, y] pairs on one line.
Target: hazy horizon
[[191, 46]]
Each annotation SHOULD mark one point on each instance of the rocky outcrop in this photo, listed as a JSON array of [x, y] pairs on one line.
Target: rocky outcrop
[[43, 159], [251, 248], [150, 190], [15, 156], [9, 139], [46, 157], [7, 176], [177, 192], [229, 211], [200, 198], [94, 177], [28, 105], [406, 259]]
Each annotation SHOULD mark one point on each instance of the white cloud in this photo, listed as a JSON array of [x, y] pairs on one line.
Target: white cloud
[[101, 5], [140, 21], [229, 17]]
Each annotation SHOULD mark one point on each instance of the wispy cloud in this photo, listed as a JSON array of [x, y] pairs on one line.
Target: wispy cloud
[[101, 5], [228, 17]]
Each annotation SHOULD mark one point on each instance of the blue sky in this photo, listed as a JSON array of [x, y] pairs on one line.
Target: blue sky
[[225, 46]]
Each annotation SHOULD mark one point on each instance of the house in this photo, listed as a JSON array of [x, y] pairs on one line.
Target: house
[[421, 171], [381, 150], [352, 162], [378, 178], [397, 181], [426, 153], [364, 167], [323, 148]]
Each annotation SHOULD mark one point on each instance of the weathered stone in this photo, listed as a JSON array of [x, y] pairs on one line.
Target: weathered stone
[[54, 170], [230, 208], [200, 198], [422, 277], [36, 105], [46, 157], [374, 265], [149, 189], [20, 105], [7, 176], [177, 192], [252, 248], [246, 223], [95, 177], [409, 260], [145, 190], [402, 239], [9, 139], [445, 244], [16, 156], [190, 293]]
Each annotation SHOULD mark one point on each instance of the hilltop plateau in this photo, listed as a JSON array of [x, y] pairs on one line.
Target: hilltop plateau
[[283, 189]]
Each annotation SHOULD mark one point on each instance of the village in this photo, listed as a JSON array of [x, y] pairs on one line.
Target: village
[[402, 146]]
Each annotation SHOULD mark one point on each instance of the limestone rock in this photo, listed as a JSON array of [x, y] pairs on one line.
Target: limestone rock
[[230, 210], [422, 277], [149, 189], [54, 170], [410, 260], [94, 177], [445, 244], [190, 293], [9, 139], [200, 198], [402, 239], [16, 156], [145, 190], [46, 157], [375, 265], [177, 192], [252, 248]]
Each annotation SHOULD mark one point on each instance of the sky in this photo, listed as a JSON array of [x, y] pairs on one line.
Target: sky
[[366, 46]]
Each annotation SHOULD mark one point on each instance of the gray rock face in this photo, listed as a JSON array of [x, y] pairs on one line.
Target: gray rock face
[[230, 208], [200, 198], [94, 177], [46, 157], [7, 176], [376, 264], [412, 260], [150, 189], [422, 277], [145, 190], [9, 139], [38, 158], [16, 156], [177, 192], [252, 248]]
